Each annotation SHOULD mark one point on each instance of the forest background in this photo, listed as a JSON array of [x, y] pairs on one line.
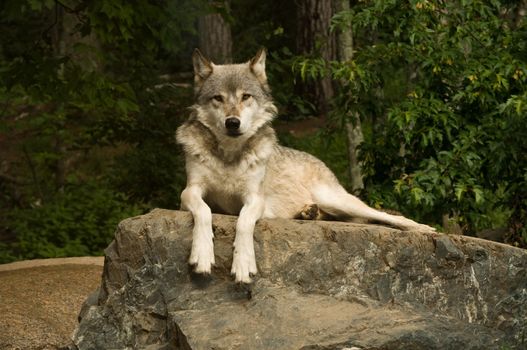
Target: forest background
[[418, 106]]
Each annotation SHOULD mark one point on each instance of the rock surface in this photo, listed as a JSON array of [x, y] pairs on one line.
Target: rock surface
[[40, 300], [321, 285]]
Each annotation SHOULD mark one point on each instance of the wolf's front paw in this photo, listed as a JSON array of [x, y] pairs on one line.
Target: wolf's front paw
[[243, 265], [202, 255]]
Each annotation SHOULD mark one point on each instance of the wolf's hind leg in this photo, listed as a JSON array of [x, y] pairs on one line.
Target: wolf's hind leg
[[335, 201], [312, 212], [308, 212]]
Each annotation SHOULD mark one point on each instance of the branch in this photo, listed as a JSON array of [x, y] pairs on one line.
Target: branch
[[33, 172], [11, 179]]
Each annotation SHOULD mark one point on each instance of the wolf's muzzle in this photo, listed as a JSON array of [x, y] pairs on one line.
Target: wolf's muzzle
[[232, 125]]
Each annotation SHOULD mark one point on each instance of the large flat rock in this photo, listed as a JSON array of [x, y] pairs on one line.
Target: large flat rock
[[321, 285]]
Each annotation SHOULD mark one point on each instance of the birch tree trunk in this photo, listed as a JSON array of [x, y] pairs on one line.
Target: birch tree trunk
[[353, 125]]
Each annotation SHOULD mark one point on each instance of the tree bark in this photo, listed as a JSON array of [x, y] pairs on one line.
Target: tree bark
[[355, 139], [314, 37], [215, 39], [353, 125], [59, 50], [519, 13], [344, 37]]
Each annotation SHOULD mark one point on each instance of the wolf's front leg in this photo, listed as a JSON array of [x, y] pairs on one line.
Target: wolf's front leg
[[202, 253], [244, 260]]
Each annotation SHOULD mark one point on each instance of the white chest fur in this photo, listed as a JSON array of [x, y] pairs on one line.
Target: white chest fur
[[227, 183], [226, 169]]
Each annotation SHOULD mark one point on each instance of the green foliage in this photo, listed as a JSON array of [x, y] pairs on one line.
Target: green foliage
[[88, 120], [271, 24], [79, 221], [441, 89], [159, 171], [81, 97]]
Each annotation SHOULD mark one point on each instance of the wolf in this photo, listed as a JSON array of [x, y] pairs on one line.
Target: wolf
[[234, 165]]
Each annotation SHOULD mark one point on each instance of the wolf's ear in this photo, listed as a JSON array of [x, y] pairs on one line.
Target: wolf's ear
[[257, 64], [202, 67]]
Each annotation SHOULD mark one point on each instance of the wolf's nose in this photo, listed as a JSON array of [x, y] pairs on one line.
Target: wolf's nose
[[232, 124]]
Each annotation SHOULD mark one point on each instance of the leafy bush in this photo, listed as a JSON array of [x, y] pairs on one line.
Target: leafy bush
[[82, 97], [441, 89], [79, 221]]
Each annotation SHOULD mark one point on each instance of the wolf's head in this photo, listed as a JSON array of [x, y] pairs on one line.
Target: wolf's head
[[232, 100]]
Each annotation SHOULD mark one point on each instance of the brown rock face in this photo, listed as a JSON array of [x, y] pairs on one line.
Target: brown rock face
[[321, 285]]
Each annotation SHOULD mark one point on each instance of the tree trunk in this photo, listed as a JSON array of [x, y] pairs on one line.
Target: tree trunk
[[353, 125], [344, 37], [355, 139], [64, 36], [215, 39], [519, 13], [314, 37], [59, 49]]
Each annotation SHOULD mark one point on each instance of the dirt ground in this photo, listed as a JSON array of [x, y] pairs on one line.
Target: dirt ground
[[40, 300]]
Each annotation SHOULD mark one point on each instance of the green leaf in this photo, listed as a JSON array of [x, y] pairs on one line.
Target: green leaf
[[478, 193], [460, 190]]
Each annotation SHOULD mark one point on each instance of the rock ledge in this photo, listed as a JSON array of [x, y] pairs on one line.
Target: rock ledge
[[321, 285]]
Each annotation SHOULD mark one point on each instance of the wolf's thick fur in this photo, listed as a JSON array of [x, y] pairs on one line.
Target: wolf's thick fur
[[235, 166]]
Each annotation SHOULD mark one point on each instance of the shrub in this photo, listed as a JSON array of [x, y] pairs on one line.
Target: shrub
[[79, 221]]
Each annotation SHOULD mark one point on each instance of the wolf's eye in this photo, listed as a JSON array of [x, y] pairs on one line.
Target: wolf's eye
[[218, 98], [245, 97]]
